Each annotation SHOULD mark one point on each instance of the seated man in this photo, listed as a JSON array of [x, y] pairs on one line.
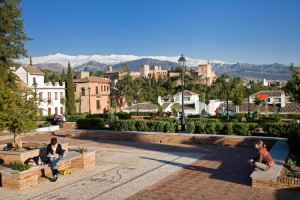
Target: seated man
[[54, 152]]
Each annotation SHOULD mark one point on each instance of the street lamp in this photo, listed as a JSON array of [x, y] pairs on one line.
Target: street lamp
[[35, 85], [227, 80], [182, 65], [249, 88], [89, 90]]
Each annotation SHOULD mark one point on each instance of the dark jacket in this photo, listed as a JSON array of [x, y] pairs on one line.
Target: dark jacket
[[59, 150]]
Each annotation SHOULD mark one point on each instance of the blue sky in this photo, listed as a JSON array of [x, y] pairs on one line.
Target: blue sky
[[252, 31]]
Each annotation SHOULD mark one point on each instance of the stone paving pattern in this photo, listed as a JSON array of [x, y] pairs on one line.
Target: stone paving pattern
[[222, 173]]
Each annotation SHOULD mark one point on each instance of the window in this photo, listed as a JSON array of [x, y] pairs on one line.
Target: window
[[34, 80], [61, 110], [107, 88], [83, 91], [55, 95], [49, 97], [40, 95], [98, 104], [97, 90], [61, 94], [101, 88], [49, 111], [55, 110], [186, 98]]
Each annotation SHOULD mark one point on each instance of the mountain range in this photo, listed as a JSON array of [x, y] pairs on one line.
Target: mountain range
[[96, 63]]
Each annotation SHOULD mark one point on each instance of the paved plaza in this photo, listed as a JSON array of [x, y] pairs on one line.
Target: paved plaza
[[135, 170]]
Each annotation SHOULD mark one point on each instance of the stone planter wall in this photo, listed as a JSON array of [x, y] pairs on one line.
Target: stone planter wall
[[280, 183], [13, 179], [85, 161], [9, 156]]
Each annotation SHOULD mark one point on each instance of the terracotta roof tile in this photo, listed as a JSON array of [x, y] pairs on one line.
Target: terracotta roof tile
[[92, 79]]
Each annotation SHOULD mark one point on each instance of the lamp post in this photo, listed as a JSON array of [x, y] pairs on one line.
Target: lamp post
[[89, 90], [227, 80], [35, 85], [182, 65], [249, 88]]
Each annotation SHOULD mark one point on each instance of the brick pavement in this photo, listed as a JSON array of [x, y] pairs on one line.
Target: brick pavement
[[222, 174]]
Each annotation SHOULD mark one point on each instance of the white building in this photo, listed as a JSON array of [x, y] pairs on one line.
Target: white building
[[50, 95]]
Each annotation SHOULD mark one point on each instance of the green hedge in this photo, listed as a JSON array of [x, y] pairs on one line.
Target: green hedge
[[221, 128], [91, 123], [277, 129], [74, 118], [293, 135], [144, 125], [143, 113], [204, 120]]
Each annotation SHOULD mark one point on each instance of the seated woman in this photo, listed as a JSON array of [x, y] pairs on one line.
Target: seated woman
[[54, 152], [263, 160]]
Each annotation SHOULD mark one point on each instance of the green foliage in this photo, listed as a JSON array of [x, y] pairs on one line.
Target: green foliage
[[62, 76], [13, 36], [238, 95], [292, 86], [70, 93], [17, 111], [204, 120], [291, 161], [19, 165], [144, 125], [74, 118], [82, 150], [190, 127], [293, 135], [277, 129], [124, 115], [91, 123], [143, 113], [103, 116], [229, 129]]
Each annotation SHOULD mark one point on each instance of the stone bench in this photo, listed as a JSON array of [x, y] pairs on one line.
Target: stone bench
[[14, 179], [270, 178]]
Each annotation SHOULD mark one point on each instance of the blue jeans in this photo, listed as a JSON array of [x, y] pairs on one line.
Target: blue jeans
[[53, 164]]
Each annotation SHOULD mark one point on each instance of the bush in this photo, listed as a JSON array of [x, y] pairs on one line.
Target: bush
[[292, 161], [190, 127], [277, 129], [102, 116], [73, 118], [124, 115], [293, 135], [90, 123], [203, 120], [19, 165], [229, 129], [82, 150], [143, 113]]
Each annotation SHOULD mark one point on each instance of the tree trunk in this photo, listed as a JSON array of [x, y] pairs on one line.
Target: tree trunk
[[17, 141]]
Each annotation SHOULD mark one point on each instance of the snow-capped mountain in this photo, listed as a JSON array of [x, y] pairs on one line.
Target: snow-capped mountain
[[113, 59]]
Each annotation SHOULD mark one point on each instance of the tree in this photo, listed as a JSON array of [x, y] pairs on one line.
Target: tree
[[237, 97], [293, 86], [16, 109], [62, 76], [70, 93]]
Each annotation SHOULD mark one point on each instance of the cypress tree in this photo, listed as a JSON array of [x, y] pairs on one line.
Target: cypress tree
[[70, 93], [30, 61], [62, 76]]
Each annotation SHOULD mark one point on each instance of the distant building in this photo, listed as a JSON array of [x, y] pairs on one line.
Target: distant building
[[115, 75], [101, 97], [278, 103], [52, 97], [154, 71], [205, 74]]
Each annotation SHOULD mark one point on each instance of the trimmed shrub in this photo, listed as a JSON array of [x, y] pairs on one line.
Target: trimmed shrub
[[229, 129], [143, 113], [73, 118], [277, 129], [90, 123], [190, 127], [103, 116], [293, 135], [124, 115], [203, 120]]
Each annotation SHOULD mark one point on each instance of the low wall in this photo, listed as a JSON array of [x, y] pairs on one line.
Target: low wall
[[168, 138], [47, 129]]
